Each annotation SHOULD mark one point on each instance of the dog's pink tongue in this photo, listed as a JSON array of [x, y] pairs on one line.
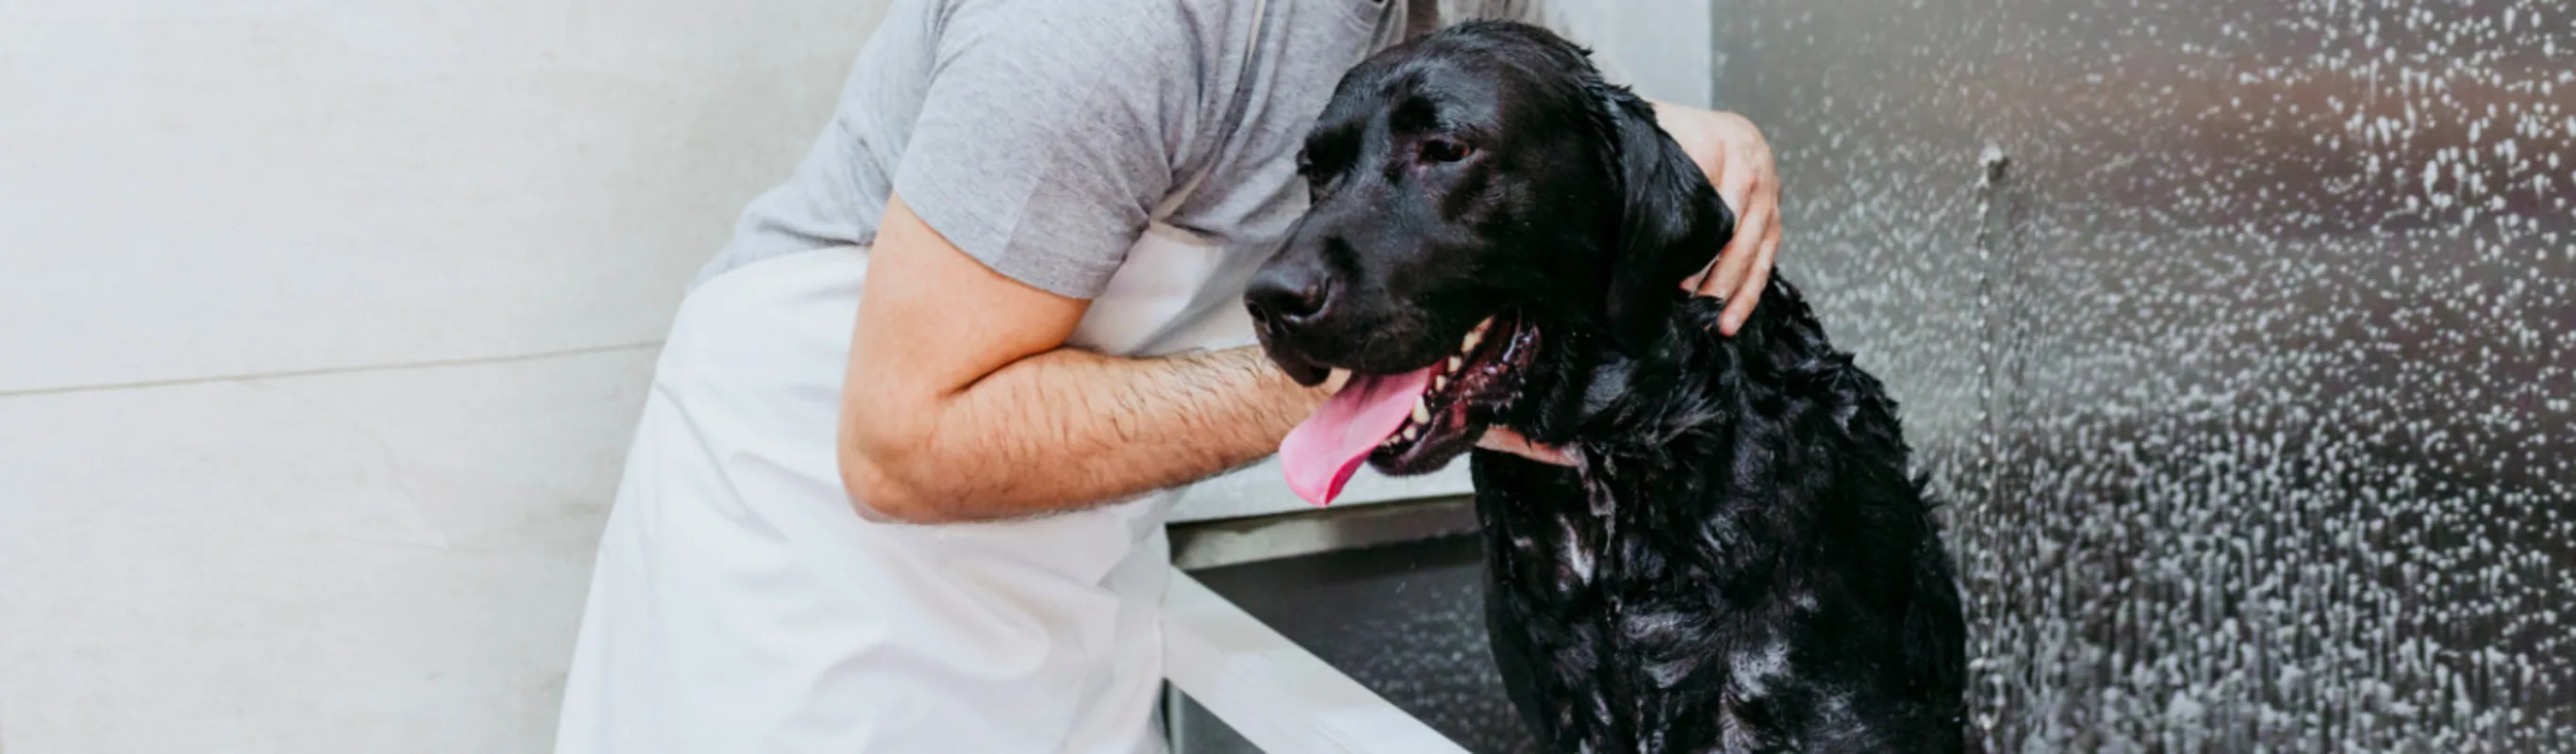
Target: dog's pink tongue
[[1321, 454]]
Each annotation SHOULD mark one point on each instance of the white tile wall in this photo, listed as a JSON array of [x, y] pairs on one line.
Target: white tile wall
[[378, 561], [215, 188], [383, 557], [323, 325]]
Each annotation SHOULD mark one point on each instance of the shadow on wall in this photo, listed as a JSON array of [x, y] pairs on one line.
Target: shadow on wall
[[2240, 333]]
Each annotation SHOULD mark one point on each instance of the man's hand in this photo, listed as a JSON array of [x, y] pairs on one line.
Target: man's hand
[[1738, 162]]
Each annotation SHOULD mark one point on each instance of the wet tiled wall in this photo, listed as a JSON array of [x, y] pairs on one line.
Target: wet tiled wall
[[2238, 333]]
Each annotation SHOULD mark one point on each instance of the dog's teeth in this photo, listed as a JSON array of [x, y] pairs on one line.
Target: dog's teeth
[[1480, 326], [1456, 362], [1410, 432], [1421, 411], [1439, 381]]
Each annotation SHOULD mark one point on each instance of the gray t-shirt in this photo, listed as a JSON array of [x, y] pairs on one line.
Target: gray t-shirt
[[1040, 135]]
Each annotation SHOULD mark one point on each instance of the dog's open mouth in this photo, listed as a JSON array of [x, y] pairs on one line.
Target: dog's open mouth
[[1411, 422]]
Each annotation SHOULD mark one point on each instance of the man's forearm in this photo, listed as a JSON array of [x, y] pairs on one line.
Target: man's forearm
[[1070, 428]]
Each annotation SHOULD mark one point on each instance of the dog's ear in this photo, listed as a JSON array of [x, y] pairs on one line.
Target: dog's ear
[[1672, 223]]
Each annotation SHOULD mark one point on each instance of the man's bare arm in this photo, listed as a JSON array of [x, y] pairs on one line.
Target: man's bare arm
[[962, 402]]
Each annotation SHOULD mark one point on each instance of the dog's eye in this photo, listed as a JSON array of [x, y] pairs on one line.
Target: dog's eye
[[1318, 180], [1444, 150]]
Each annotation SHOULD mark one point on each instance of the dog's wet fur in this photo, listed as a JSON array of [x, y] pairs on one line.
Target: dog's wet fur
[[1739, 560]]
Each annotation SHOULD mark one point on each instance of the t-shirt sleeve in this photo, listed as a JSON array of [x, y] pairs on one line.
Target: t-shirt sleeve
[[1047, 135], [1581, 22]]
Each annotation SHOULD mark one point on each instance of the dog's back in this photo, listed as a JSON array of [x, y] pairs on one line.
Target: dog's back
[[1740, 562]]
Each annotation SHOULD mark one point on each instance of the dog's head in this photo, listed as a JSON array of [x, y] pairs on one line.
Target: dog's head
[[1480, 198]]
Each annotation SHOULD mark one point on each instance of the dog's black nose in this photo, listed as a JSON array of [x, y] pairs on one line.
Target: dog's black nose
[[1288, 295]]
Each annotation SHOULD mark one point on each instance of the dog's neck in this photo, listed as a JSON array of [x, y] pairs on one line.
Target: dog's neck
[[1690, 384], [1701, 431]]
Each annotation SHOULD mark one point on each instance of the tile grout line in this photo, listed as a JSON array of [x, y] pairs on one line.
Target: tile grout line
[[323, 371]]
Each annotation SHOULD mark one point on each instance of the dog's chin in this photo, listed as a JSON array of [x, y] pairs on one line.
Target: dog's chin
[[1476, 385], [1299, 369]]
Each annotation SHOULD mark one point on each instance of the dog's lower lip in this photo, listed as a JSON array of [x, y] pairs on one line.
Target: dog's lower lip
[[1442, 426]]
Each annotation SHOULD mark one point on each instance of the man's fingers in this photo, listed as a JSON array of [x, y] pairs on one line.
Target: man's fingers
[[1737, 178], [1742, 253], [1739, 163], [1512, 442], [1741, 306], [1726, 274], [1734, 181], [1745, 186]]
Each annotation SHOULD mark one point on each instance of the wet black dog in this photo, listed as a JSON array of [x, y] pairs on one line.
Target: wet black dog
[[1739, 560]]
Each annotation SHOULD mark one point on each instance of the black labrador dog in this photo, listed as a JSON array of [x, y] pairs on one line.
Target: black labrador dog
[[1738, 560]]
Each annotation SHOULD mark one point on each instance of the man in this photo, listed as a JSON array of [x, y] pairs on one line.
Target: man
[[895, 486]]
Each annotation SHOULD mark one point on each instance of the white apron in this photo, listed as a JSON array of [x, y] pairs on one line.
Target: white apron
[[739, 605]]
